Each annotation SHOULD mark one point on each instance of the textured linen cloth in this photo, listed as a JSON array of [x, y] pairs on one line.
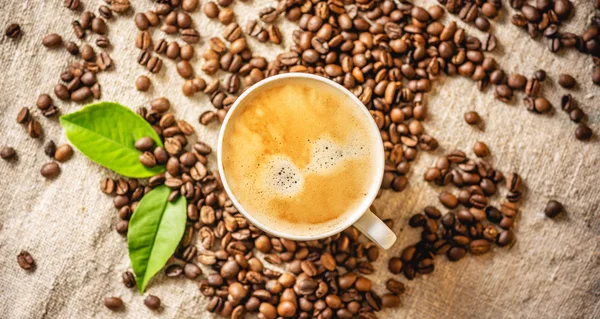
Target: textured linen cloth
[[67, 224]]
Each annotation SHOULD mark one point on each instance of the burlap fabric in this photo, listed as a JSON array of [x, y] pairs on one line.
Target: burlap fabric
[[553, 271]]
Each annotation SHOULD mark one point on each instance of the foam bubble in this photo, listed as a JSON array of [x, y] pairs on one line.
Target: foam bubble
[[327, 156], [282, 177]]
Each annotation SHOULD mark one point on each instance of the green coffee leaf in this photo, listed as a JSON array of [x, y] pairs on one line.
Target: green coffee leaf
[[155, 229], [106, 132]]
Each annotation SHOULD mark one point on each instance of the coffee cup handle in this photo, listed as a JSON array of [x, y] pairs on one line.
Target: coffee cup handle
[[375, 229]]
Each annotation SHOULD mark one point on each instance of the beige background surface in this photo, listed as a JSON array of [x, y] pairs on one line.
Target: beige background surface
[[553, 271]]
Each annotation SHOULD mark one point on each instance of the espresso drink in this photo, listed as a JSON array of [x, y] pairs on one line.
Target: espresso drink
[[300, 156]]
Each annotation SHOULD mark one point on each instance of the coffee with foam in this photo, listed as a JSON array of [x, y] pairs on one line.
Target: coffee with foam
[[300, 156]]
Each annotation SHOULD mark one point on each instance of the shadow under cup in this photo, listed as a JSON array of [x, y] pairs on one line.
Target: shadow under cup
[[300, 156]]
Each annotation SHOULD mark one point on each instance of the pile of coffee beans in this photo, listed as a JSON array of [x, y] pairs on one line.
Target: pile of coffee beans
[[78, 82], [171, 18], [545, 17], [474, 12], [324, 278], [473, 224]]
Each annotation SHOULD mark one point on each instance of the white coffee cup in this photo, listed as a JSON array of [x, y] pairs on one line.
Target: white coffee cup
[[362, 218]]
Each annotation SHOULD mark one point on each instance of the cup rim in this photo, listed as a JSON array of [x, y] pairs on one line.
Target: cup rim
[[362, 207]]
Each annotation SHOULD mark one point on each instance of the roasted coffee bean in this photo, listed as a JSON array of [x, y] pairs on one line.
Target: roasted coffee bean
[[23, 116], [480, 149], [7, 153], [211, 10], [553, 208], [184, 20], [144, 144], [395, 265], [513, 182], [34, 129], [448, 199], [226, 16], [25, 260], [456, 253], [363, 284], [88, 79], [141, 21], [86, 20], [274, 34], [81, 94], [540, 75], [185, 70], [154, 64], [472, 118], [532, 87], [72, 48], [143, 40], [104, 61], [105, 12], [583, 132], [516, 81], [128, 279], [192, 271], [542, 105], [13, 30], [99, 26], [71, 4], [268, 14], [506, 237], [52, 40], [186, 52], [190, 36], [503, 93], [44, 101], [190, 5], [147, 159], [152, 302], [566, 81], [142, 83], [493, 214], [50, 149], [119, 6], [465, 217], [113, 303], [576, 115], [479, 246]]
